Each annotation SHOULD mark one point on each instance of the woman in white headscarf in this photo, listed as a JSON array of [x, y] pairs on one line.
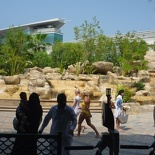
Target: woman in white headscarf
[[118, 108]]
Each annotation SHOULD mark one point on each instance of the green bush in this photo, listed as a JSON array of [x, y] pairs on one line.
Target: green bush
[[139, 86], [89, 69], [127, 93]]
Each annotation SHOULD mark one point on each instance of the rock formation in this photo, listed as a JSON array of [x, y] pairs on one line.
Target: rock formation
[[48, 82]]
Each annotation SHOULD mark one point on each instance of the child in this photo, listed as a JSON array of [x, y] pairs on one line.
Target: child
[[21, 111]]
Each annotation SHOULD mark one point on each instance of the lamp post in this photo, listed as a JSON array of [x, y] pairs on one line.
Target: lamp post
[[107, 115], [108, 91], [109, 139]]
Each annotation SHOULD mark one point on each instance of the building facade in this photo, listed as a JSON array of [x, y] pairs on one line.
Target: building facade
[[50, 27]]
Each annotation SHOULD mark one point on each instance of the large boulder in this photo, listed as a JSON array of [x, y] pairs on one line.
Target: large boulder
[[2, 82], [102, 67], [12, 79]]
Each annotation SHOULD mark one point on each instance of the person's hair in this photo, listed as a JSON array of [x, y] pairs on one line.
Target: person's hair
[[61, 98], [34, 100], [120, 92], [85, 93], [23, 96], [77, 90]]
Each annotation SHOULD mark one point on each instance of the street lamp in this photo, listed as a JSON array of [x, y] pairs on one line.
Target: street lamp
[[108, 91], [110, 138]]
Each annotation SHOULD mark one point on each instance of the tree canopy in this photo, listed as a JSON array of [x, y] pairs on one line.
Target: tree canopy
[[19, 50]]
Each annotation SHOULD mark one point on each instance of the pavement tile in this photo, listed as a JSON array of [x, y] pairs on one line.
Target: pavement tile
[[138, 130]]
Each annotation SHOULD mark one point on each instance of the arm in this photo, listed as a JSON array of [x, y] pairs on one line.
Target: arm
[[112, 105], [46, 121]]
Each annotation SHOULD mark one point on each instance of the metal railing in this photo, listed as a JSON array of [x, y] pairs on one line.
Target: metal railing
[[45, 144], [101, 145], [142, 147]]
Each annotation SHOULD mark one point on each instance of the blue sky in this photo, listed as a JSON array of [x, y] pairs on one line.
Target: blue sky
[[113, 15]]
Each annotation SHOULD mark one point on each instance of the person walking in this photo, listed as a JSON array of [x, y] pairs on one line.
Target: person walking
[[76, 105], [63, 120], [86, 115], [118, 108]]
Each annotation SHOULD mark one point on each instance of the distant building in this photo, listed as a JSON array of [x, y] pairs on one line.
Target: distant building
[[147, 36], [50, 27]]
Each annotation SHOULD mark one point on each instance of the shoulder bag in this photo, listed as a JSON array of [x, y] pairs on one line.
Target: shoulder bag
[[123, 117]]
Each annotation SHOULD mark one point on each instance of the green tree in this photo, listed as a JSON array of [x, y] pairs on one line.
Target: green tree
[[42, 59], [37, 42], [65, 54], [14, 52], [87, 34], [105, 49], [97, 46], [130, 53]]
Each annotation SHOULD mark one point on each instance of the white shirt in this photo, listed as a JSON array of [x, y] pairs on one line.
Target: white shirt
[[63, 120], [77, 106]]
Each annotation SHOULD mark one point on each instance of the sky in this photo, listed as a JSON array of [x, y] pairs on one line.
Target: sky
[[113, 15]]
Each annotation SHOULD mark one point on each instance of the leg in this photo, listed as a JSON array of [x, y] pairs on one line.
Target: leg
[[118, 124], [88, 120], [82, 127], [67, 141], [81, 119]]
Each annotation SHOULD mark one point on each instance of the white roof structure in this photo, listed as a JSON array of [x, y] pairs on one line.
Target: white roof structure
[[148, 36], [46, 26]]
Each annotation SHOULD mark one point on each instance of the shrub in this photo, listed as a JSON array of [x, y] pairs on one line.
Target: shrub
[[139, 86], [127, 92]]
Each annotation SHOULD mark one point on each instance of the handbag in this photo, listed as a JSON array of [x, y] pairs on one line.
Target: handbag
[[15, 123], [123, 117]]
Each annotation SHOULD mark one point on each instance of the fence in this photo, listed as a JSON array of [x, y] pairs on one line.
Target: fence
[[46, 144]]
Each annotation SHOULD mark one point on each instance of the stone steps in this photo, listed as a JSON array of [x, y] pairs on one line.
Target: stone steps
[[11, 105]]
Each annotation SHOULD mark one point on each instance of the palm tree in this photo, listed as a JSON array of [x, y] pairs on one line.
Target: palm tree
[[38, 42]]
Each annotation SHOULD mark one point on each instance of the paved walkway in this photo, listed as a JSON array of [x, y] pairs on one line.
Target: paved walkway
[[139, 130]]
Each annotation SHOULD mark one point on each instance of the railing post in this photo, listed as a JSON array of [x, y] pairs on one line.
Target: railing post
[[59, 150]]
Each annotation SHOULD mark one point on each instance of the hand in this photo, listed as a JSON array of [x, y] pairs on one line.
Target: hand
[[124, 109], [40, 131]]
